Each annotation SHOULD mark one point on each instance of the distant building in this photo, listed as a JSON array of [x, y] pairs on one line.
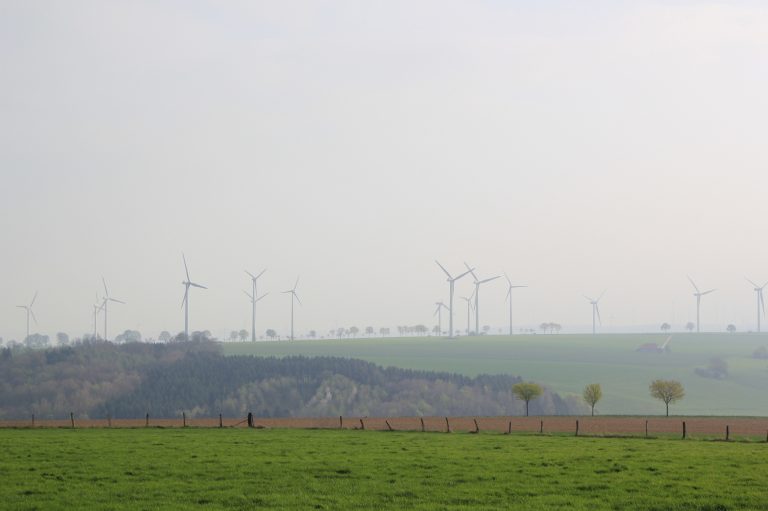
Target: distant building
[[649, 347]]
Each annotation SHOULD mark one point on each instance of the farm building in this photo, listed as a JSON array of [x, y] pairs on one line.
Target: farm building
[[652, 347]]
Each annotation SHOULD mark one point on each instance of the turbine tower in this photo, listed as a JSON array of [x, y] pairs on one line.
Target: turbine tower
[[439, 314], [104, 303], [96, 309], [760, 301], [253, 294], [509, 298], [451, 282], [28, 309], [296, 297], [698, 294], [185, 302], [477, 295], [595, 311]]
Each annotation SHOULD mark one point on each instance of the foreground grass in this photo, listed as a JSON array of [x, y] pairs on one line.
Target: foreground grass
[[300, 469]]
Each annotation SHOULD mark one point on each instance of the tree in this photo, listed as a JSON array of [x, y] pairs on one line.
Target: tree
[[271, 334], [165, 336], [353, 331], [486, 329], [243, 334], [369, 331], [312, 334], [665, 327], [592, 394], [61, 338], [384, 331], [233, 335], [668, 391], [436, 330], [544, 327], [526, 392], [690, 326], [731, 328]]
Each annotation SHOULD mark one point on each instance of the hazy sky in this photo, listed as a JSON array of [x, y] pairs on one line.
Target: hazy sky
[[578, 146]]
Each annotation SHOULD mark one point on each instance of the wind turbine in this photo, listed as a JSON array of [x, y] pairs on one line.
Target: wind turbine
[[451, 281], [293, 296], [96, 309], [185, 302], [595, 311], [760, 301], [253, 294], [477, 295], [468, 299], [509, 298], [104, 303], [698, 294], [28, 308], [439, 314]]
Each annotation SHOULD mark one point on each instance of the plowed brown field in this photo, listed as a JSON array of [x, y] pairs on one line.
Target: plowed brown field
[[597, 426]]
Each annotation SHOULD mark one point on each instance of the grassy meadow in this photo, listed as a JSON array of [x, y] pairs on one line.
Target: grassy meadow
[[567, 362], [330, 469]]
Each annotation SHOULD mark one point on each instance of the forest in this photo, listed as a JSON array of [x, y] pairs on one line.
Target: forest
[[96, 379]]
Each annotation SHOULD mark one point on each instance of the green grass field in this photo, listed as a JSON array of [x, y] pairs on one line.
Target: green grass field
[[567, 362], [316, 469]]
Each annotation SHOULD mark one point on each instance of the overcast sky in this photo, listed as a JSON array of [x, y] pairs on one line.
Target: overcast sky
[[578, 146]]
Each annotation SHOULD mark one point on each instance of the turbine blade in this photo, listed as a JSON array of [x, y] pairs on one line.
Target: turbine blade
[[186, 269], [588, 298], [444, 270], [116, 300], [507, 277], [33, 299], [251, 274], [248, 295], [260, 274], [296, 284], [463, 274], [197, 285], [597, 310], [762, 302], [297, 297], [471, 270], [33, 316], [693, 284], [601, 295], [184, 300], [707, 292], [262, 296], [488, 280], [105, 286], [751, 282]]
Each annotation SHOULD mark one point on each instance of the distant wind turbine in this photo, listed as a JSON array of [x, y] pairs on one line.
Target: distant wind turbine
[[28, 309], [296, 297], [468, 299], [254, 298], [96, 309], [760, 301], [509, 298], [478, 283], [104, 303], [439, 314], [185, 301], [595, 311], [451, 282], [698, 294]]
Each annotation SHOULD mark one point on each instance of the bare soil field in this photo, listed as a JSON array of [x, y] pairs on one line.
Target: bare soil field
[[593, 426]]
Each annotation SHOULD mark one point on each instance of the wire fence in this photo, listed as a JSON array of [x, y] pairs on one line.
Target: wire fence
[[726, 428]]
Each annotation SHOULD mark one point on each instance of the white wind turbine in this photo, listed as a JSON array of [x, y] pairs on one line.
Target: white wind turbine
[[104, 303], [254, 296], [96, 309], [451, 282], [30, 312], [439, 314], [296, 297], [185, 301], [595, 311], [478, 283], [698, 294], [760, 301], [509, 298], [468, 299]]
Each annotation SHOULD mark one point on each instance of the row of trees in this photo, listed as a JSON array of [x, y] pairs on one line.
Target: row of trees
[[668, 391], [691, 326]]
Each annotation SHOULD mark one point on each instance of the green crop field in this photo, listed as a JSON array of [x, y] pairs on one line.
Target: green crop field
[[567, 362], [330, 469]]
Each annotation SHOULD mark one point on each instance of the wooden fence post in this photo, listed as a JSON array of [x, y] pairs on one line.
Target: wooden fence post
[[477, 427], [33, 420], [362, 424], [422, 424], [509, 430], [388, 426], [684, 430], [72, 419], [109, 420], [727, 432], [184, 419], [577, 427], [447, 426], [146, 421], [541, 427], [341, 422], [646, 429], [221, 421]]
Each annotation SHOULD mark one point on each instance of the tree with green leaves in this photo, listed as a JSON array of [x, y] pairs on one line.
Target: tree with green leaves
[[243, 335], [527, 391], [592, 394], [668, 391], [665, 327]]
